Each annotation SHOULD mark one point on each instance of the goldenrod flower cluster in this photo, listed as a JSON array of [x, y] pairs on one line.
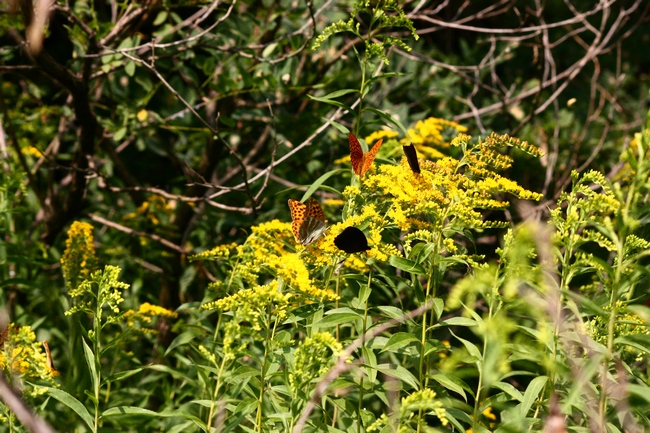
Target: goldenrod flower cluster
[[427, 136], [31, 151], [102, 290], [627, 324], [410, 412], [21, 356], [313, 358], [447, 195], [79, 258], [142, 319], [255, 305], [216, 253], [152, 208]]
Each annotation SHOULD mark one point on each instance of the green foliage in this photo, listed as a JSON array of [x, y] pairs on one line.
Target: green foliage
[[183, 302]]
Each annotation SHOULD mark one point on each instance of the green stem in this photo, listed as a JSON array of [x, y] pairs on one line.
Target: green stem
[[215, 394], [481, 373], [97, 326], [363, 344], [267, 349]]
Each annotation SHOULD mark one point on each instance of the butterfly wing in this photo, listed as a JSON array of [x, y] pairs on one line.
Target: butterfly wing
[[369, 157], [412, 158], [313, 209], [298, 211], [310, 230], [351, 240], [356, 154]]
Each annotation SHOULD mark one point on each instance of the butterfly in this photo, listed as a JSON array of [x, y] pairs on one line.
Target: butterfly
[[361, 162], [50, 363], [351, 240], [308, 220], [412, 158]]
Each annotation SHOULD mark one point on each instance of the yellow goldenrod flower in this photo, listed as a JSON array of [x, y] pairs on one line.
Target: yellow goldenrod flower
[[79, 258]]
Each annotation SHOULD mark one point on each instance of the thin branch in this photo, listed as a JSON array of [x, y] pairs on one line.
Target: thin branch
[[134, 233], [24, 414]]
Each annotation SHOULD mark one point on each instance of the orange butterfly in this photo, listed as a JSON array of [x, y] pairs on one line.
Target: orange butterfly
[[308, 220], [50, 363], [361, 162]]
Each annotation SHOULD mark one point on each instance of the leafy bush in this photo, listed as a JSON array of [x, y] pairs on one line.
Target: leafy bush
[[186, 300]]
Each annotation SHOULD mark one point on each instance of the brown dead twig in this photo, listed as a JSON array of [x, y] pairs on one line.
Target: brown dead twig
[[616, 21]]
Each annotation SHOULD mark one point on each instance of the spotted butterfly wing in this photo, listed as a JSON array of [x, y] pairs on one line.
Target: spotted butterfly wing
[[308, 220], [412, 158], [361, 162], [351, 240], [298, 211], [314, 210]]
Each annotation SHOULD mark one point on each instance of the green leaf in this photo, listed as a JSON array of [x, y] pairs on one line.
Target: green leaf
[[129, 68], [318, 182], [452, 383], [640, 391], [455, 321], [438, 307], [119, 134], [530, 395], [386, 75], [123, 375], [341, 128], [181, 340], [338, 93], [73, 404], [128, 410], [370, 360], [399, 372], [336, 319], [389, 119], [391, 312], [334, 103], [364, 294], [269, 49], [160, 18], [133, 410], [630, 341], [90, 360], [399, 340], [510, 390], [471, 347], [406, 265]]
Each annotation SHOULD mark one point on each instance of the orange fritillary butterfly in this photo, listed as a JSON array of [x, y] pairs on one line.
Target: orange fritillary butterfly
[[361, 162], [308, 220]]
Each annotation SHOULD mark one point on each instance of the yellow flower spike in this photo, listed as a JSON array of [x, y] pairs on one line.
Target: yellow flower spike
[[148, 309], [22, 354], [79, 258], [381, 134]]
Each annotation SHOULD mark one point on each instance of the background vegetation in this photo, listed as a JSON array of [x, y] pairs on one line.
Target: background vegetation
[[154, 146]]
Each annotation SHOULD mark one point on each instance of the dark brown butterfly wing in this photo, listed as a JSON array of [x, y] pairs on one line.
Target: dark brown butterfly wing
[[351, 240], [412, 158]]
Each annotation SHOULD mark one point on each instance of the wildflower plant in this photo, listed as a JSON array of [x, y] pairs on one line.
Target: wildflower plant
[[79, 258], [286, 309], [25, 366], [604, 257], [383, 14]]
